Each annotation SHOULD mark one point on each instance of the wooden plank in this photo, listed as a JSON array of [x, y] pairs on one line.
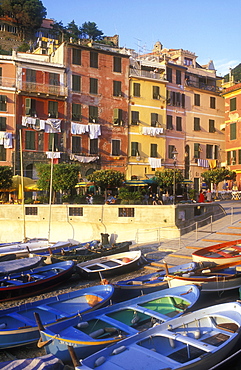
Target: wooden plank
[[157, 264], [181, 256], [151, 268], [212, 241], [190, 247], [234, 227]]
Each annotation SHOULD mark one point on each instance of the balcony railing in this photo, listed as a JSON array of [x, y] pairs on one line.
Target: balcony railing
[[203, 86], [34, 87], [7, 82], [148, 74]]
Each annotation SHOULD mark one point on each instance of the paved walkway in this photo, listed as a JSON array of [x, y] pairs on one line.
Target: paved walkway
[[179, 251]]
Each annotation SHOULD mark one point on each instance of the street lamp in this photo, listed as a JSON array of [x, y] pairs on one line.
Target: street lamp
[[174, 156]]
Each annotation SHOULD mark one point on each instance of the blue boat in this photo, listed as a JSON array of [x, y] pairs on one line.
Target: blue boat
[[18, 326], [34, 281], [17, 265], [198, 340], [93, 331]]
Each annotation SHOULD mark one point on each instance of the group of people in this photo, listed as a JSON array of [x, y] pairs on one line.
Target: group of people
[[155, 198], [205, 197]]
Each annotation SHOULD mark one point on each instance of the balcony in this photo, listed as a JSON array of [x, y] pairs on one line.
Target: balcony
[[38, 88], [7, 82], [203, 86], [146, 74]]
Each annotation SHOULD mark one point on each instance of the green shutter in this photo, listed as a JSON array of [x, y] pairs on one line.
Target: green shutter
[[2, 123], [76, 112]]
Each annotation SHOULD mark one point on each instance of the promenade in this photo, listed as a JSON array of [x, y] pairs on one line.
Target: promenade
[[179, 250]]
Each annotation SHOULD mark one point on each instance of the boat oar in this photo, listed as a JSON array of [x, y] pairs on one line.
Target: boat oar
[[166, 267], [103, 281], [73, 356], [40, 343]]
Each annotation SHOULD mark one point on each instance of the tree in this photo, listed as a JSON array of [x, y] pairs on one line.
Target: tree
[[73, 31], [59, 30], [6, 175], [107, 178], [28, 14], [217, 175], [90, 30], [165, 178]]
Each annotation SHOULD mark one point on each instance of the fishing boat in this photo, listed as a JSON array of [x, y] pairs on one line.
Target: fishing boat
[[226, 252], [113, 264], [211, 279], [47, 362], [90, 332], [18, 326], [34, 281], [197, 340], [11, 266]]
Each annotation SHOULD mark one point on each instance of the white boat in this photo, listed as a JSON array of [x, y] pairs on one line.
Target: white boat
[[194, 341]]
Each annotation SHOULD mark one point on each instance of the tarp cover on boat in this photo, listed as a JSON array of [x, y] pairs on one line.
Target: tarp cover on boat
[[48, 362]]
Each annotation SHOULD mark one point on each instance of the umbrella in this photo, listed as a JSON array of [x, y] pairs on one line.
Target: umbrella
[[28, 184], [83, 184]]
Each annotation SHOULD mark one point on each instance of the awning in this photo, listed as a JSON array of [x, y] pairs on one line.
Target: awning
[[84, 184], [186, 181], [139, 182]]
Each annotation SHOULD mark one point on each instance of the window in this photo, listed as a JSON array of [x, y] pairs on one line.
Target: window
[[115, 147], [30, 75], [30, 107], [2, 123], [239, 156], [232, 104], [209, 151], [54, 79], [53, 109], [197, 126], [93, 146], [153, 151], [76, 83], [134, 149], [93, 114], [117, 64], [76, 144], [197, 150], [93, 86], [187, 61], [30, 140], [2, 153], [75, 211], [76, 56], [179, 123], [3, 103], [216, 150], [176, 99], [116, 88], [53, 138], [155, 92], [169, 74], [233, 135], [93, 59], [1, 73], [171, 149], [169, 122], [197, 99], [76, 112], [178, 77], [212, 102], [154, 119], [135, 117], [117, 117], [212, 125], [228, 158], [31, 211], [126, 212], [136, 89], [233, 157]]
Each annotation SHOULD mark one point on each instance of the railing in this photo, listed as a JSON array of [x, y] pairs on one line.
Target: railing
[[203, 86], [42, 88], [153, 75], [7, 82]]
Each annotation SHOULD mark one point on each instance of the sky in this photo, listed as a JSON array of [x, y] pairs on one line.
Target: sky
[[209, 28]]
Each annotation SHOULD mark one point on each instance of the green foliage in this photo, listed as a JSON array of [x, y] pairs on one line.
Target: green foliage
[[73, 31], [165, 178], [6, 175], [90, 30], [217, 175], [24, 47], [130, 197], [107, 178]]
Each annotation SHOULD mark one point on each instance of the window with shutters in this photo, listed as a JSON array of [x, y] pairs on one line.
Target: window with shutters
[[153, 151], [117, 64], [115, 147], [3, 103], [2, 123], [154, 119], [136, 89], [178, 77], [232, 104], [93, 86], [169, 74], [94, 146], [2, 153], [53, 109], [179, 123], [216, 150], [209, 151], [197, 126], [76, 144], [76, 56], [134, 149], [93, 59], [30, 140], [76, 112], [233, 157], [197, 150], [135, 120], [53, 138], [54, 79], [76, 82], [1, 74], [155, 92], [233, 135], [212, 102], [212, 125], [117, 88], [228, 158], [30, 107], [169, 122], [93, 114], [126, 212], [197, 99], [175, 99], [30, 75], [117, 117], [171, 149], [75, 211], [239, 156]]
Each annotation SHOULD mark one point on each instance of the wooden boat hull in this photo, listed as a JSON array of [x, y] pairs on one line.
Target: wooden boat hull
[[20, 327], [197, 340], [226, 252], [34, 281], [98, 329]]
